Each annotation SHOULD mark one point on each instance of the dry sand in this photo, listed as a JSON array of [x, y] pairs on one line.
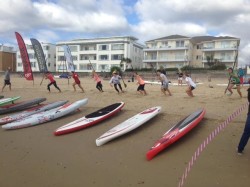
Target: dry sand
[[34, 157]]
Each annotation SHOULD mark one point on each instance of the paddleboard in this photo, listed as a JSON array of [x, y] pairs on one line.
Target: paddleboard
[[176, 132], [171, 83], [128, 125], [31, 111], [43, 117], [8, 100], [21, 106], [90, 119]]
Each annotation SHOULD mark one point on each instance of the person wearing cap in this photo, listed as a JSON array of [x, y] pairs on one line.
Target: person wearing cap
[[98, 81], [115, 80], [234, 81], [77, 82], [7, 79], [49, 76]]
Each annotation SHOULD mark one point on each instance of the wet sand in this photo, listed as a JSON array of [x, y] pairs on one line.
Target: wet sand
[[35, 157]]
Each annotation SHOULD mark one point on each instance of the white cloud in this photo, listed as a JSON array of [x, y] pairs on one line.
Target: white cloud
[[57, 20]]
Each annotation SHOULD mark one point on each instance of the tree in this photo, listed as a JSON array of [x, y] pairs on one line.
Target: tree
[[126, 61], [210, 60]]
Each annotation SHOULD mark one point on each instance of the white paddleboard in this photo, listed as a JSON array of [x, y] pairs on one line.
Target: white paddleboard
[[31, 111], [46, 116], [128, 125]]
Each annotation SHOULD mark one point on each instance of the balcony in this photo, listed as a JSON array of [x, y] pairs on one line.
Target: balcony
[[222, 48], [165, 48]]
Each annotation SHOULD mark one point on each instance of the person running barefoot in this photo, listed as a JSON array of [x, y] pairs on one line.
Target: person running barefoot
[[49, 76], [98, 81], [77, 81], [115, 80], [141, 84], [164, 82], [234, 80], [191, 85]]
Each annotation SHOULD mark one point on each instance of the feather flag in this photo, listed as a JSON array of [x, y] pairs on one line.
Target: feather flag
[[28, 74], [39, 55], [69, 58]]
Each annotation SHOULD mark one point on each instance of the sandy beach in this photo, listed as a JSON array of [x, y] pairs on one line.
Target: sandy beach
[[34, 157]]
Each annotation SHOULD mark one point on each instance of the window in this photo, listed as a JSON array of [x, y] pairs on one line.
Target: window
[[117, 57], [225, 44], [48, 64], [61, 58], [103, 47], [19, 64], [180, 43], [73, 48], [31, 56], [103, 57], [74, 57], [60, 49], [46, 47], [117, 47], [164, 44], [48, 55]]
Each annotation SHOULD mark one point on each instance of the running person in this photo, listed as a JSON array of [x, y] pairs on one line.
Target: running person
[[234, 80], [7, 79], [141, 84], [49, 76], [115, 79], [164, 82], [98, 81], [77, 81], [191, 85]]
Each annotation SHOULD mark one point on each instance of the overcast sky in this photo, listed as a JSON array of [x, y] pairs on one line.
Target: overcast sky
[[59, 20]]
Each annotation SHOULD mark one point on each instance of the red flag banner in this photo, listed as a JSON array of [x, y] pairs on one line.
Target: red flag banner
[[25, 57]]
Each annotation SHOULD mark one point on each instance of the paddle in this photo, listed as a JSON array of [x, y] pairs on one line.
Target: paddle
[[232, 72]]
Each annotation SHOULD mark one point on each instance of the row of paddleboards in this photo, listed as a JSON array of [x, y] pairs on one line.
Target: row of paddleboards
[[48, 112]]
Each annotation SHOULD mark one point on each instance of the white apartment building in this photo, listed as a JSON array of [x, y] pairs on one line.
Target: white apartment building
[[49, 53], [102, 53], [178, 51]]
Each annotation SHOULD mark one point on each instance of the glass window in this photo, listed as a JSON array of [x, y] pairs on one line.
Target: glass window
[[73, 48], [61, 58], [103, 47], [117, 57], [117, 47], [180, 43], [103, 57]]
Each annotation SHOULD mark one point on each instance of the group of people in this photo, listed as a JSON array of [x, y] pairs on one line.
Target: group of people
[[234, 80]]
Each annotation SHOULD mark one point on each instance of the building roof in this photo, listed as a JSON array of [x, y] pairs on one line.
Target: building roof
[[199, 39], [171, 37]]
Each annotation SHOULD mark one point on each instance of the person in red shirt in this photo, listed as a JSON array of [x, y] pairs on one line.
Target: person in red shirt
[[49, 76], [77, 81]]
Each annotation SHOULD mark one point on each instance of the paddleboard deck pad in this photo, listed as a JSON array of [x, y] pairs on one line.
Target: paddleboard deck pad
[[90, 119]]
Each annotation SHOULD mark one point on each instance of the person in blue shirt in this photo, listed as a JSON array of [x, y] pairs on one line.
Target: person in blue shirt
[[246, 133]]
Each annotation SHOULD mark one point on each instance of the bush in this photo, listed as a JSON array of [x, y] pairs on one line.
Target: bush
[[117, 69], [219, 66]]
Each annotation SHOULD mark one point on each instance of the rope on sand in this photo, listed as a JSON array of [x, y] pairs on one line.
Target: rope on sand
[[208, 140]]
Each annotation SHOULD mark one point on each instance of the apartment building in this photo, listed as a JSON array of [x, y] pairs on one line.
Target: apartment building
[[199, 51], [101, 53], [49, 53], [210, 49], [7, 58]]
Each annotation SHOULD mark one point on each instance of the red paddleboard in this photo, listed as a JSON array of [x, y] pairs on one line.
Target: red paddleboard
[[90, 119], [176, 132]]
